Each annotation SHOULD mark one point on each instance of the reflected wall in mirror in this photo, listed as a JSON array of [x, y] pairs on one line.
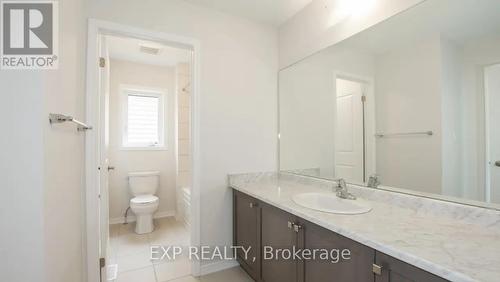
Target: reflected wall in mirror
[[414, 101]]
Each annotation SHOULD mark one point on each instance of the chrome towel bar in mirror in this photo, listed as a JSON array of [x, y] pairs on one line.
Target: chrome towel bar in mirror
[[59, 118], [381, 135]]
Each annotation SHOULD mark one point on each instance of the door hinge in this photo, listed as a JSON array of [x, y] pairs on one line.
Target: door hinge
[[102, 62], [377, 269], [363, 98], [102, 262]]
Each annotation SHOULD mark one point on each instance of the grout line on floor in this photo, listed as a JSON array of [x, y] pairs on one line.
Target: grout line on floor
[[135, 269], [178, 278], [156, 275]]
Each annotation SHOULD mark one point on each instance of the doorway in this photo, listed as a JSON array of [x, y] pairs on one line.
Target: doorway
[[349, 131], [492, 109], [141, 158], [354, 127]]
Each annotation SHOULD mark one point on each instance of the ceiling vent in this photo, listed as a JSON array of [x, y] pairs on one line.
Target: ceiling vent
[[150, 50]]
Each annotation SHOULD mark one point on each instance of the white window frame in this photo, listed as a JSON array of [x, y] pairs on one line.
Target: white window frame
[[161, 94]]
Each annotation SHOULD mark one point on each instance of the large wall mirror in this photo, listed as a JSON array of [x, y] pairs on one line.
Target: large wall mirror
[[411, 104]]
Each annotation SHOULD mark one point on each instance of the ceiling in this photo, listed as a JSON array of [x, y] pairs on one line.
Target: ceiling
[[460, 21], [128, 49], [273, 12]]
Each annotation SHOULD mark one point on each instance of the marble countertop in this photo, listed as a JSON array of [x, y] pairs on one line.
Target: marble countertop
[[453, 241]]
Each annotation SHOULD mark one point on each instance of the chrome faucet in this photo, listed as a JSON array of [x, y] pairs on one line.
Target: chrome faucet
[[373, 181], [341, 190]]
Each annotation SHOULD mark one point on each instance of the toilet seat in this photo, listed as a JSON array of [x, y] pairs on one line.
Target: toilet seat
[[144, 207], [144, 200]]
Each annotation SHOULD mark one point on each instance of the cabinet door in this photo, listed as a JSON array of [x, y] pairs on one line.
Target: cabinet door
[[247, 232], [393, 270], [278, 235], [357, 268]]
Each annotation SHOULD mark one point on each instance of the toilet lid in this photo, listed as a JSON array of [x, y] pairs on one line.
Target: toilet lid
[[144, 199]]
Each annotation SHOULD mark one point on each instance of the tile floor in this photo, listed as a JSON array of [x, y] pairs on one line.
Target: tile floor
[[132, 254]]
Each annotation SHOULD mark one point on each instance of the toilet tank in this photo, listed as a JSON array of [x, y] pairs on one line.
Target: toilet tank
[[143, 182]]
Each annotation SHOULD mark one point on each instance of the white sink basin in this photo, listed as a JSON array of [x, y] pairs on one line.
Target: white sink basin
[[329, 202]]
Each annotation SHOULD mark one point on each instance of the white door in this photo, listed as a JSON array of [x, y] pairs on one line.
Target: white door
[[349, 131], [492, 87], [103, 151]]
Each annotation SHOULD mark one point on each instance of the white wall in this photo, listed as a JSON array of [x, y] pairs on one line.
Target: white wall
[[125, 161], [408, 98], [238, 85], [41, 165], [460, 80], [63, 152], [322, 24], [452, 147], [21, 168]]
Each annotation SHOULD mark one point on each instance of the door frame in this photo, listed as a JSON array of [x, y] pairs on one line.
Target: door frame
[[487, 133], [369, 118], [96, 28]]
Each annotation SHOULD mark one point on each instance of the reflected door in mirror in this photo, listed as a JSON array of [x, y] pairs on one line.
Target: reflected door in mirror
[[349, 141]]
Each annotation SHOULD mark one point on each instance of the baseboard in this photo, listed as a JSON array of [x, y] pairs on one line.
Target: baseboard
[[164, 214], [131, 217], [217, 266]]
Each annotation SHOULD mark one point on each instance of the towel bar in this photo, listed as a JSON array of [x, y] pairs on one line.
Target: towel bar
[[59, 118]]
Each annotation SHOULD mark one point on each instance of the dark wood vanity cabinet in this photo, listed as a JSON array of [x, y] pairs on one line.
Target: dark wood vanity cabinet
[[260, 225], [277, 233], [393, 270], [357, 268], [246, 224]]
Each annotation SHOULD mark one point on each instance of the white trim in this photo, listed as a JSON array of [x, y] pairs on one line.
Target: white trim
[[95, 28], [151, 148], [218, 266], [91, 159], [487, 135], [132, 218]]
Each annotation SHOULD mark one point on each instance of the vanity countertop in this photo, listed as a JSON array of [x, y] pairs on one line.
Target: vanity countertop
[[453, 241]]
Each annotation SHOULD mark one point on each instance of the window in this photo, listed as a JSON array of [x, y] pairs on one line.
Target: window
[[143, 119]]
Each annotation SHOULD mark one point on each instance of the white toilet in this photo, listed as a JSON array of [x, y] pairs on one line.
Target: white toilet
[[143, 187]]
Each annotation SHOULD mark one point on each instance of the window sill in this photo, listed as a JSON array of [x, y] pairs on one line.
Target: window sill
[[161, 148]]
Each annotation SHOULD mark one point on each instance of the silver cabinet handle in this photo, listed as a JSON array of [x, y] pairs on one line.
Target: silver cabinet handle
[[294, 226], [377, 269], [253, 205], [111, 168], [497, 163]]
